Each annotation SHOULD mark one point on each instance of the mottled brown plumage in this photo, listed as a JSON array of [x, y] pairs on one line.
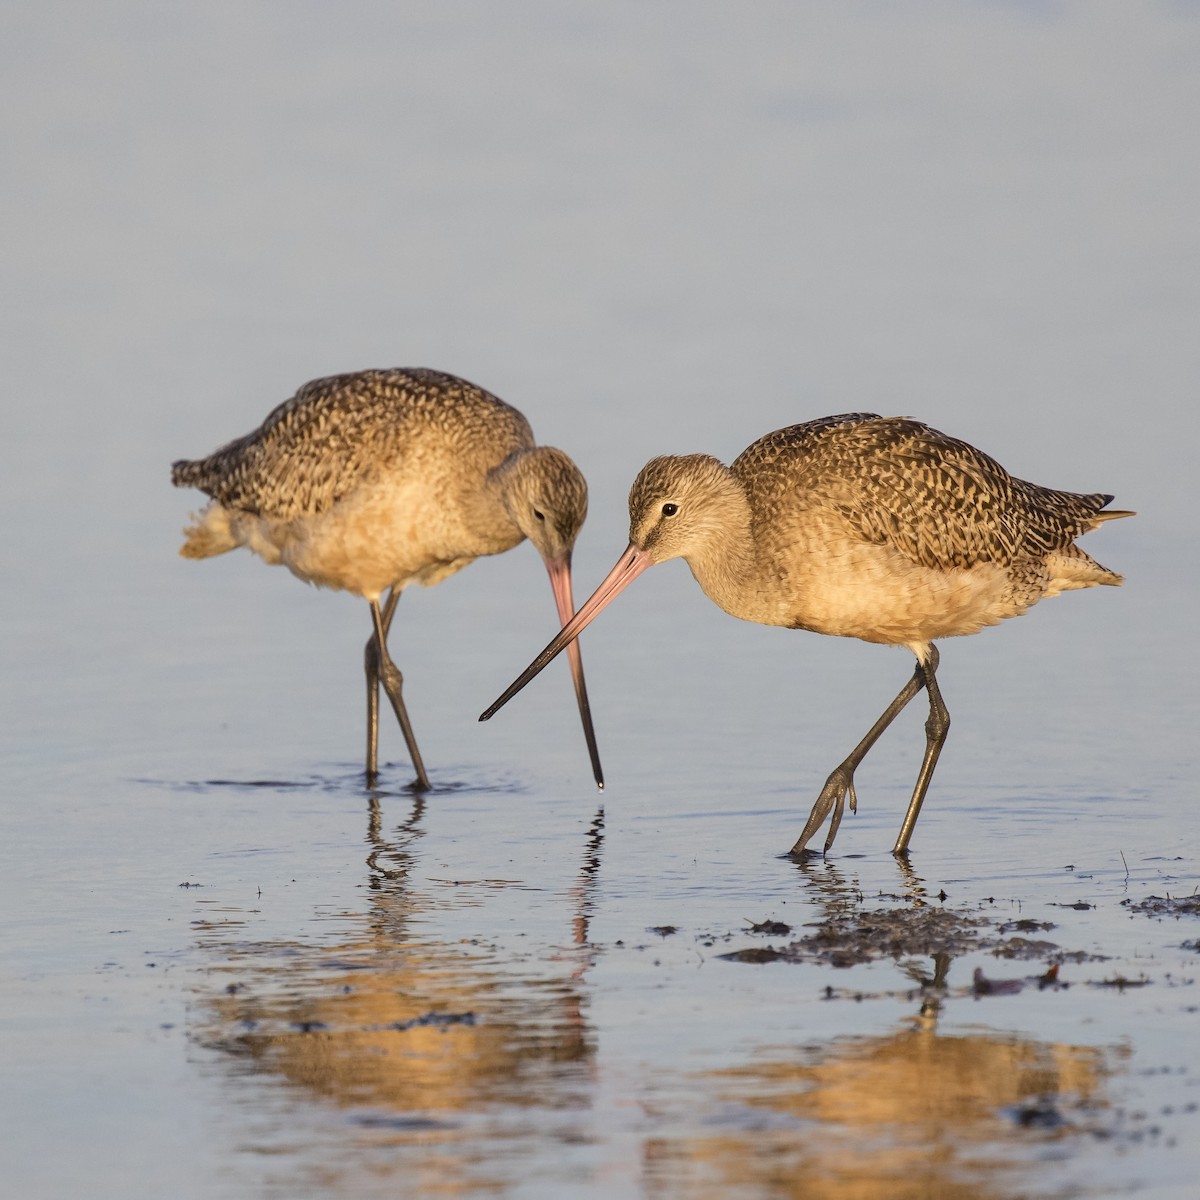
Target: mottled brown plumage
[[857, 526], [371, 481]]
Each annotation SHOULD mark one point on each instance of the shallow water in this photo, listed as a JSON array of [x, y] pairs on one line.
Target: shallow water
[[228, 969]]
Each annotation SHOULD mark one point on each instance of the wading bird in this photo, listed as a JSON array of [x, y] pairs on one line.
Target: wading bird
[[374, 480], [859, 526]]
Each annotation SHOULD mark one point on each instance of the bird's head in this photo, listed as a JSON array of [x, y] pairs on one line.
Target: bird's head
[[678, 503], [546, 495]]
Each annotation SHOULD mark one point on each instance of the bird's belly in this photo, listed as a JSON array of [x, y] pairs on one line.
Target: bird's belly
[[902, 603], [368, 544]]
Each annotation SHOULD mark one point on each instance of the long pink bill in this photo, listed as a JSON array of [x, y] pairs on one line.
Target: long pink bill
[[629, 566], [559, 570]]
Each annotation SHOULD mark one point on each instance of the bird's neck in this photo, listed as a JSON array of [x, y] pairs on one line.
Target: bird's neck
[[487, 510], [725, 562], [502, 481]]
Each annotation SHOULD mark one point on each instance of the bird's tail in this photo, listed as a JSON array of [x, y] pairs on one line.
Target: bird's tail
[[190, 472], [209, 534], [1072, 568], [1114, 515], [1088, 572]]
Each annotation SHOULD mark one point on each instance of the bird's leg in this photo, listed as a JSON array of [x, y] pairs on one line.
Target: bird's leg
[[840, 783], [388, 674], [937, 725], [371, 662]]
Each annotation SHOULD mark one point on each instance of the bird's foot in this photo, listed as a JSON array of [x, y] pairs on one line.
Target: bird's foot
[[838, 787]]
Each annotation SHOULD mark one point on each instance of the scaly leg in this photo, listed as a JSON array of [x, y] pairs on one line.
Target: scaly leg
[[371, 662], [382, 670], [937, 725], [840, 783]]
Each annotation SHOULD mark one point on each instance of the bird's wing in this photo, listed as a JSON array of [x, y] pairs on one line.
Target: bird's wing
[[330, 437], [934, 498]]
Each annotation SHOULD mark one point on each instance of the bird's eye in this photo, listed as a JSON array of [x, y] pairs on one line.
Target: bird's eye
[[669, 510], [540, 515]]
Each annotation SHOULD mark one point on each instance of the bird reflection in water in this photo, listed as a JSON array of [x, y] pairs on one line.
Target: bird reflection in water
[[914, 1112], [911, 1113], [412, 1034], [453, 1068]]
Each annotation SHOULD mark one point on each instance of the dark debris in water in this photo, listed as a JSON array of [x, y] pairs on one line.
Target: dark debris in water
[[907, 929], [1054, 1115], [932, 990], [435, 1019], [1166, 906], [983, 985], [404, 1122], [756, 954], [1019, 947], [1042, 1113], [852, 937], [1078, 956], [770, 928], [1121, 982], [1026, 925]]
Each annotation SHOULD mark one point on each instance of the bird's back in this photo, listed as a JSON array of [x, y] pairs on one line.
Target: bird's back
[[895, 481], [338, 432]]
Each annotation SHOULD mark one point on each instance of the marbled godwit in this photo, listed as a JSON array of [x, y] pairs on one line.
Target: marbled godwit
[[371, 481], [860, 526]]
